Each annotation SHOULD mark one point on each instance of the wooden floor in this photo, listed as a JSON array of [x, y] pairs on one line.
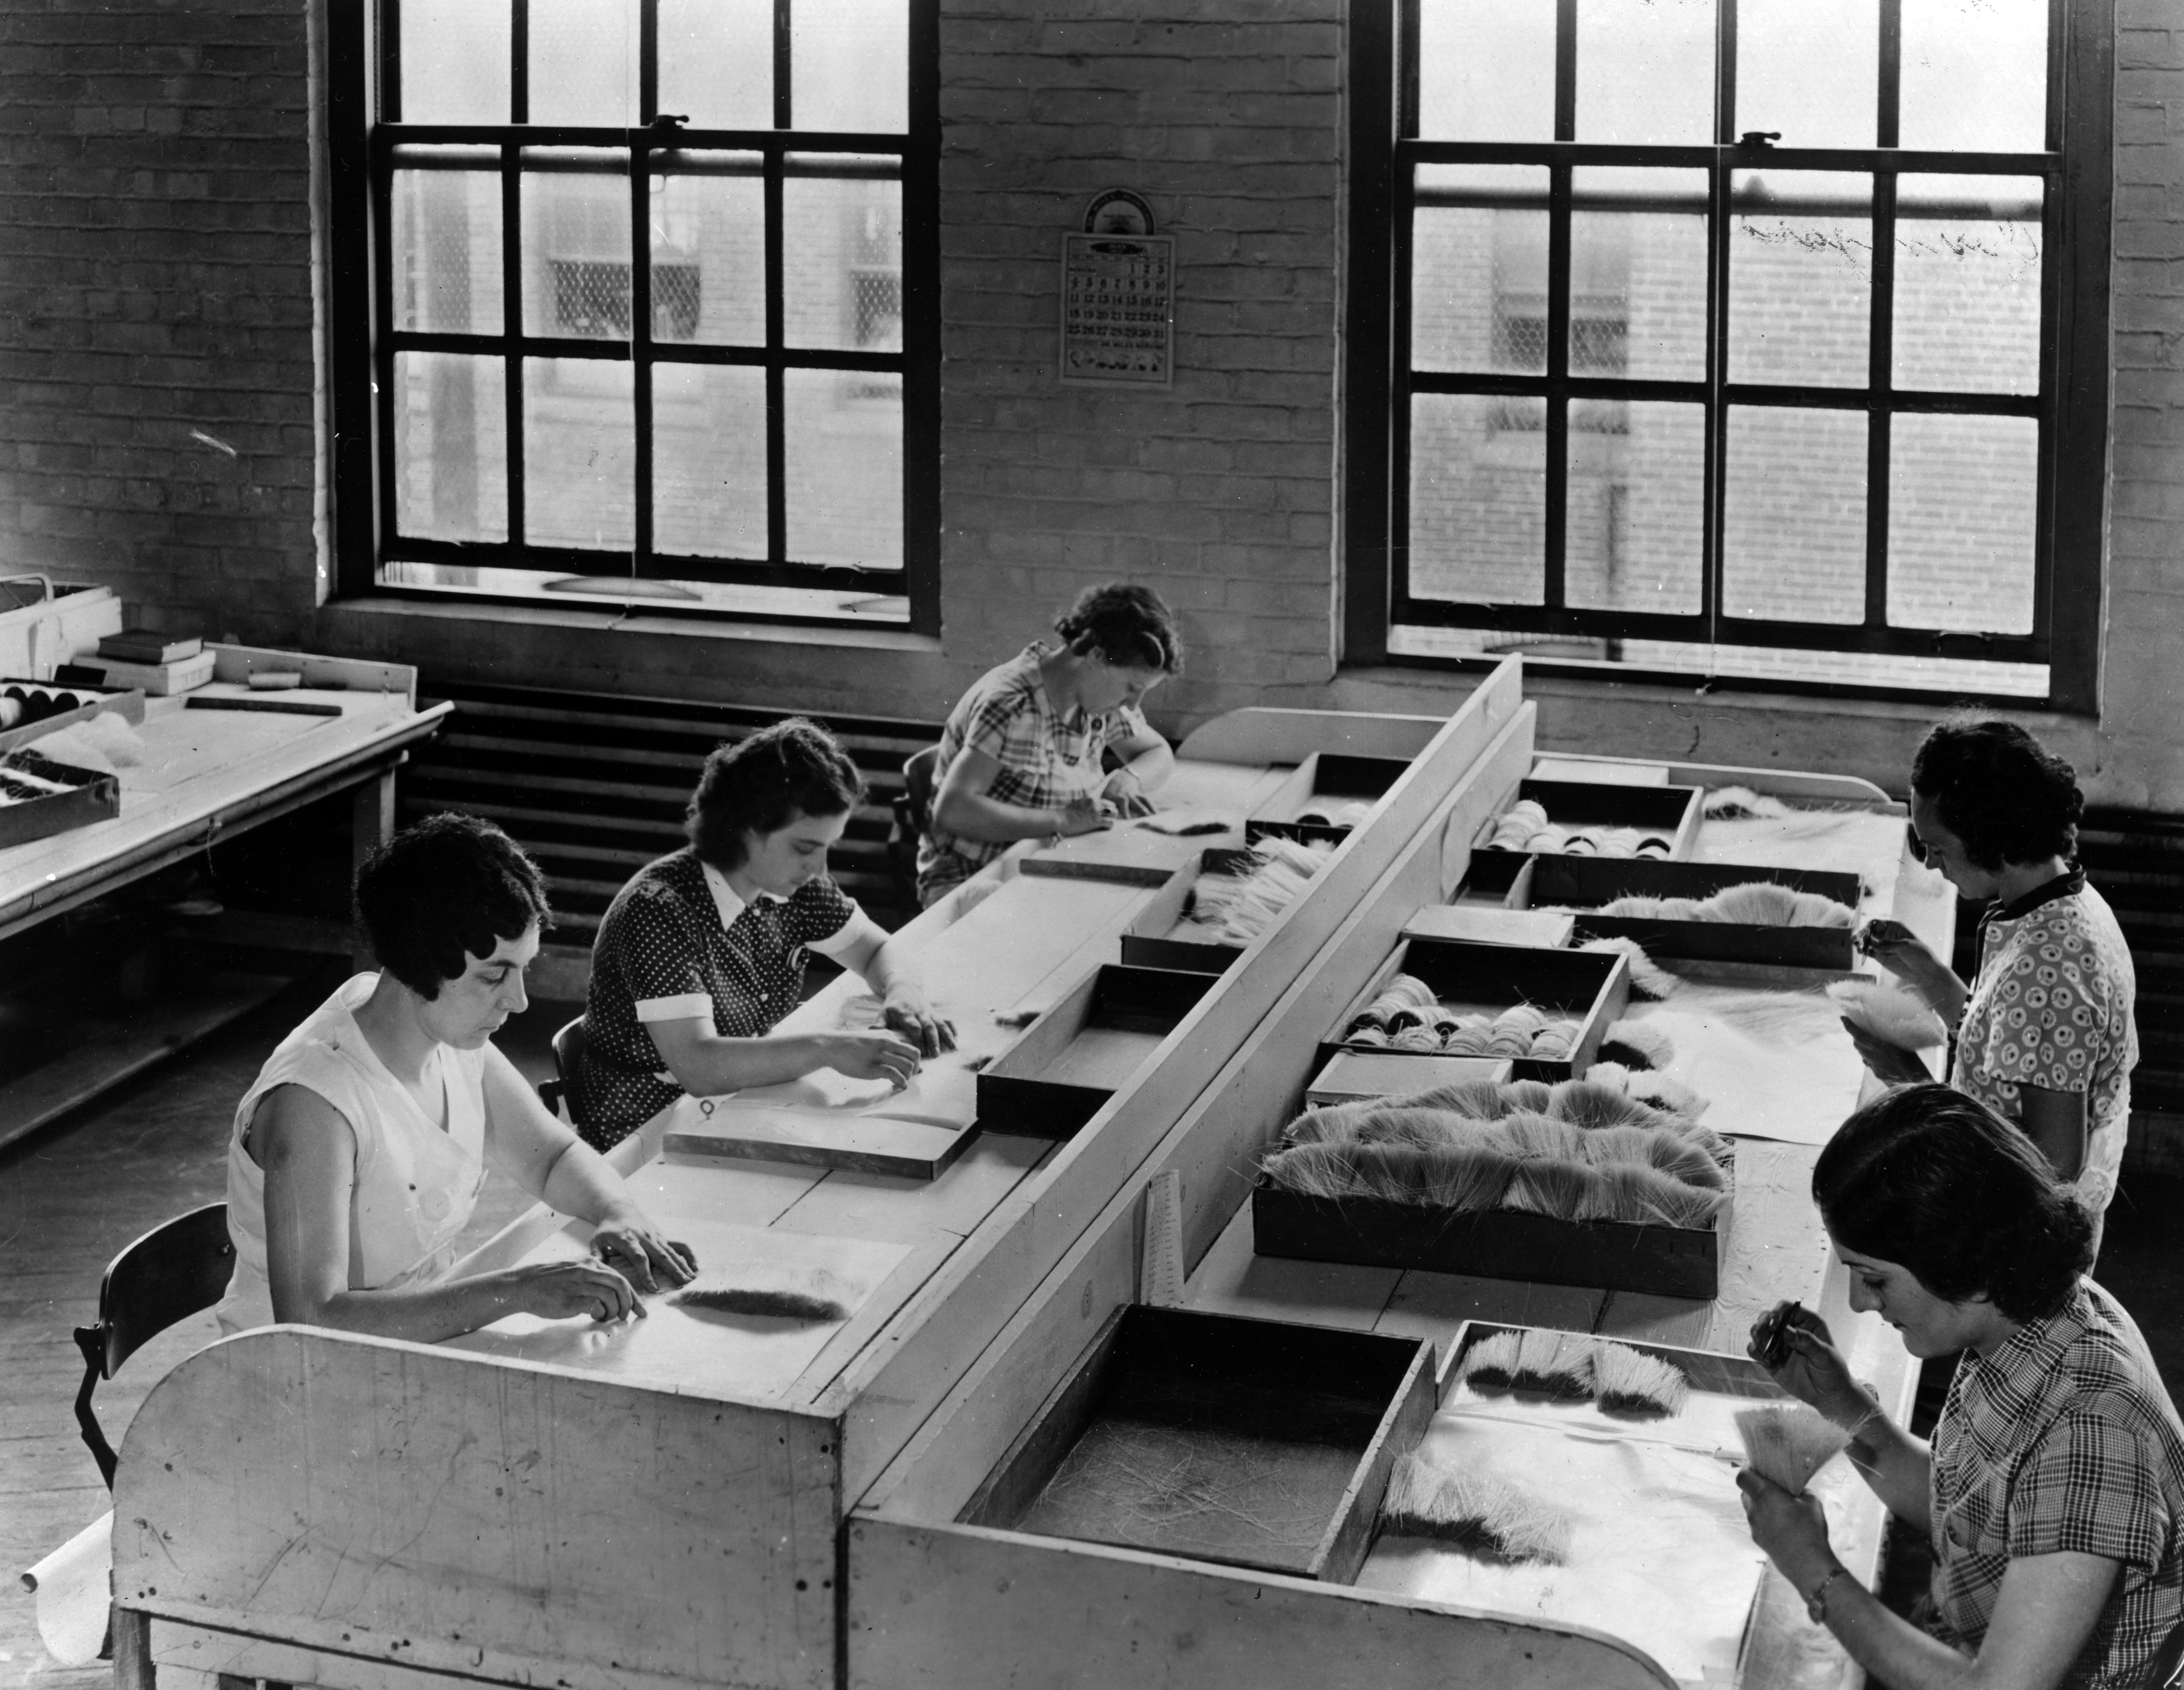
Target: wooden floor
[[71, 1197]]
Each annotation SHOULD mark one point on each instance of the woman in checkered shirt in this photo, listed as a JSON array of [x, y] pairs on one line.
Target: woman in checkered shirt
[[1022, 756], [2053, 1489]]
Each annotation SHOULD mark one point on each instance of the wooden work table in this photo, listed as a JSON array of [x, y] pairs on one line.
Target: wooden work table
[[660, 1505], [1060, 1612], [204, 776]]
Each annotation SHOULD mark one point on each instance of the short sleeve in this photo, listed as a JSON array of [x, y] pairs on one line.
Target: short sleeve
[[1126, 724], [2051, 1012], [660, 962], [2090, 1487], [992, 716], [819, 913]]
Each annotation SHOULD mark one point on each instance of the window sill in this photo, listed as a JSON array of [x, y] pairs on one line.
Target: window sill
[[373, 619]]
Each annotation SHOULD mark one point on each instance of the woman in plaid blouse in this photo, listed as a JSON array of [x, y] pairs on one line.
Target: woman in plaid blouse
[[1021, 757], [2053, 1489]]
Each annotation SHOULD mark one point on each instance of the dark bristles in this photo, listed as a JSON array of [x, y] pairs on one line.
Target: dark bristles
[[771, 1305]]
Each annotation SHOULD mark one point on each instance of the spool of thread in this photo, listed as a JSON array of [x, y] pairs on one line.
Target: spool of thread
[[11, 711], [274, 680]]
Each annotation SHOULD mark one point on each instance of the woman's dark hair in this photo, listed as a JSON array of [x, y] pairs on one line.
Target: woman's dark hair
[[2007, 796], [448, 886], [1125, 624], [1935, 1181], [761, 783]]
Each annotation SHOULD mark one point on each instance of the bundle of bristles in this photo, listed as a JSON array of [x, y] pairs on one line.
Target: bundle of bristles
[[1524, 826], [1320, 813], [1237, 908], [1407, 1016], [1755, 903], [1497, 1518], [1578, 1151]]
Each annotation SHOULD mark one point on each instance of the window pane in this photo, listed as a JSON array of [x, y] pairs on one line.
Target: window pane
[[1638, 279], [1633, 531], [709, 252], [1967, 283], [454, 61], [1479, 499], [447, 251], [1975, 76], [717, 62], [584, 61], [841, 242], [1486, 70], [1962, 501], [849, 64], [450, 446], [579, 453], [576, 245], [1793, 528], [1800, 278], [842, 473], [1810, 69], [1478, 269], [709, 460], [1645, 72]]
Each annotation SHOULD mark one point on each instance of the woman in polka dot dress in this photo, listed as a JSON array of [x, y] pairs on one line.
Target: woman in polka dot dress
[[2044, 1034], [702, 952]]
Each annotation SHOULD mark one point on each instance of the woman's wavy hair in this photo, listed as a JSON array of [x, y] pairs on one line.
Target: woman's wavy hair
[[447, 889], [2007, 796], [1125, 624], [1938, 1183], [763, 783]]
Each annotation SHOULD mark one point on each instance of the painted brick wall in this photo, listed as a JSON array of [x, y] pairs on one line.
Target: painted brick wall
[[155, 287], [1225, 115]]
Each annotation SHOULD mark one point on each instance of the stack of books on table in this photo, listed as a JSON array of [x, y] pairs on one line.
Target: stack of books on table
[[159, 663]]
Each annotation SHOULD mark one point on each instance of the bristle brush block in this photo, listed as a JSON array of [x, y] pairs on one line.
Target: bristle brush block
[[767, 1305], [1631, 1382], [1789, 1444], [1474, 1511]]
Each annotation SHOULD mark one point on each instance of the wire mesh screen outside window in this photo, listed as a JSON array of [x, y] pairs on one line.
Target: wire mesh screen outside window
[[1672, 394], [648, 325]]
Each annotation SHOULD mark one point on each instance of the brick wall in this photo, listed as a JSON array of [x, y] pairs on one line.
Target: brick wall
[[155, 279], [155, 288]]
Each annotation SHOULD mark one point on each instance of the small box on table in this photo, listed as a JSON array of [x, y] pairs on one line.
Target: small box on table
[[1670, 815], [1253, 1443], [1311, 804], [1076, 1054], [40, 797], [1584, 883], [1160, 935], [1353, 1076]]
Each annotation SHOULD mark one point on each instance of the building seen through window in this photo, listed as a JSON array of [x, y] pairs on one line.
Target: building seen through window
[[642, 332]]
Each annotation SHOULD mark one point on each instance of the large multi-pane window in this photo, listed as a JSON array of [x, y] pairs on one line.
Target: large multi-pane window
[[1735, 337], [651, 313]]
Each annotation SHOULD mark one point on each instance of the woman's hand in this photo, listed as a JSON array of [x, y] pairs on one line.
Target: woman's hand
[[872, 1056], [1799, 1352], [1888, 1064], [1124, 794], [907, 1012], [636, 1249], [1081, 815], [555, 1291], [1792, 1529], [1908, 956]]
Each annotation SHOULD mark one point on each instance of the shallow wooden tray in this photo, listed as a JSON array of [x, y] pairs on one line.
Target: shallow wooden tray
[[1585, 882], [1149, 941], [1273, 1442], [1328, 776], [95, 797], [1349, 1075], [1073, 1058], [1672, 811]]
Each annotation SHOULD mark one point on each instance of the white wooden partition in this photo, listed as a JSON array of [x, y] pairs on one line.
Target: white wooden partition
[[318, 1507]]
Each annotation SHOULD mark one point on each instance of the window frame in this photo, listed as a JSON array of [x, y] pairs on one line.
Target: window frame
[[362, 45], [2076, 171]]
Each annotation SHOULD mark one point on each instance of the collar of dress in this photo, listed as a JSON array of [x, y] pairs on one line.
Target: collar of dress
[[2016, 1372], [2062, 886], [726, 901]]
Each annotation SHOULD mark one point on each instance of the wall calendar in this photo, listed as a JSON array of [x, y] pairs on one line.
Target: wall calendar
[[1118, 309]]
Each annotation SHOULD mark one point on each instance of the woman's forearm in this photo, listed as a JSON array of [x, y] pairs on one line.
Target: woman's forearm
[[423, 1315], [1896, 1467], [1152, 766], [975, 816], [580, 1183], [1889, 1646], [716, 1064]]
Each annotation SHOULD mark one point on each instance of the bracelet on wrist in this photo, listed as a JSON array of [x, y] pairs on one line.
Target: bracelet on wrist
[[1816, 1602]]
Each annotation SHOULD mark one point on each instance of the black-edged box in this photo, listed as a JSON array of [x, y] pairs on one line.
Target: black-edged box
[[1353, 1076], [1251, 1443], [40, 797], [1074, 1057], [51, 706], [1591, 987], [1305, 806], [1670, 814], [1500, 1244], [1160, 935], [1583, 883]]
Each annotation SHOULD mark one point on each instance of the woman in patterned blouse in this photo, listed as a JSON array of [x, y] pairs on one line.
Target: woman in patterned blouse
[[1021, 756], [2053, 1489], [2044, 1034], [702, 952]]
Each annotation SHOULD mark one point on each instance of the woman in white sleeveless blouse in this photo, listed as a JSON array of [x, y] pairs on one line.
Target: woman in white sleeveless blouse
[[357, 1157]]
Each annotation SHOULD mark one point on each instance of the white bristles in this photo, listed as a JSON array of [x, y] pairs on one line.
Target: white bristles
[[1648, 978], [1556, 1362], [1788, 1444], [1627, 1382], [1491, 1363], [1663, 1091], [1894, 1014], [1652, 1048], [1239, 907], [1750, 903], [1488, 1516], [1740, 803]]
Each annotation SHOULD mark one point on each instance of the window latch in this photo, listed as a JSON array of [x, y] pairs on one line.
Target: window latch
[[1758, 139], [669, 119]]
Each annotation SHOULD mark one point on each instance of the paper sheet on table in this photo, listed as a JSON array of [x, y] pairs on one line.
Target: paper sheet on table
[[1660, 1555], [742, 1355], [71, 1586], [1773, 1064]]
